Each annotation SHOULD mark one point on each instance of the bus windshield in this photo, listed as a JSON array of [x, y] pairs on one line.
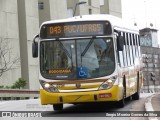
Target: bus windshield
[[77, 59]]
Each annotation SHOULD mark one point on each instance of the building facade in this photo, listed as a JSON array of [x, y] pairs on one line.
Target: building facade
[[112, 7], [149, 37], [151, 59], [151, 70], [9, 40], [20, 21]]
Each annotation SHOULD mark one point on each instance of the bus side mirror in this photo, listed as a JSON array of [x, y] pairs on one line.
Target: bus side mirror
[[35, 47], [120, 43]]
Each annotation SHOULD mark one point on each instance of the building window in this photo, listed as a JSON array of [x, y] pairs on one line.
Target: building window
[[101, 2], [90, 11], [41, 5], [69, 12]]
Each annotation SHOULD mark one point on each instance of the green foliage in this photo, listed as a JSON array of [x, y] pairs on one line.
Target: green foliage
[[2, 86], [13, 87], [20, 83], [7, 87]]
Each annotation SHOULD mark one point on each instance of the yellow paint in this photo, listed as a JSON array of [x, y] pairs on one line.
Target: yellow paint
[[82, 87], [88, 96], [77, 97]]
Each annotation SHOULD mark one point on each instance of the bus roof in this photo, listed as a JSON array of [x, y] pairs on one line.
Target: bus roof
[[115, 21]]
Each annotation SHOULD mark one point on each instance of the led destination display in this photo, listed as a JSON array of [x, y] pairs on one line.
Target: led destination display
[[75, 29]]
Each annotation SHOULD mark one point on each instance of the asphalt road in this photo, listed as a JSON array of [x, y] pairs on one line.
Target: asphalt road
[[70, 112]]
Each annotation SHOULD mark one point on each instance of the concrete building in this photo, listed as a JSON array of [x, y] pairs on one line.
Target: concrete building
[[90, 7], [149, 37], [28, 21], [20, 21], [151, 59], [151, 70], [52, 9], [9, 34], [112, 7]]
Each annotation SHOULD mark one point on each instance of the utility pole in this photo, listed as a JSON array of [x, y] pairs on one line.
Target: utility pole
[[79, 3], [146, 61]]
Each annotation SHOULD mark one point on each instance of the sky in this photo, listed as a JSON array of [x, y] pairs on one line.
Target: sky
[[142, 12]]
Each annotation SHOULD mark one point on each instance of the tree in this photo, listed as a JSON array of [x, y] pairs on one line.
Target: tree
[[7, 58]]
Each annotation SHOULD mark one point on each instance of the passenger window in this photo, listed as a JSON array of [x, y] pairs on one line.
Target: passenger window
[[133, 47], [124, 52], [136, 46], [127, 49], [121, 57], [138, 41], [130, 49]]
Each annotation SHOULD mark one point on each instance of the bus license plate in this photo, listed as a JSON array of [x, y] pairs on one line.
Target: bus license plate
[[105, 95]]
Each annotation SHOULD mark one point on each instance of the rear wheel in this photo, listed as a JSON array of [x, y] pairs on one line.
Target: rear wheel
[[129, 98], [136, 96], [58, 107]]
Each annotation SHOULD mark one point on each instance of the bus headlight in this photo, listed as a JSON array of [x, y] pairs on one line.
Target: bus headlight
[[108, 83], [48, 87]]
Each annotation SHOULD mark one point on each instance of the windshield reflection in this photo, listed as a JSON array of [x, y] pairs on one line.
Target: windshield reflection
[[77, 59]]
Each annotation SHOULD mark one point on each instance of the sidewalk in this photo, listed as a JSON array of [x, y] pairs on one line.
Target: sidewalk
[[152, 103], [156, 102]]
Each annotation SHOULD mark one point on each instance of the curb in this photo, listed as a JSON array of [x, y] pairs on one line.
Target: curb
[[149, 107]]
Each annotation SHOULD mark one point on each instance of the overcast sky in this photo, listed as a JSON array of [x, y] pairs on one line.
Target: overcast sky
[[143, 12]]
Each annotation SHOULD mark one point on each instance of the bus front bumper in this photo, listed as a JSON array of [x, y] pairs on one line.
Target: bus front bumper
[[112, 94]]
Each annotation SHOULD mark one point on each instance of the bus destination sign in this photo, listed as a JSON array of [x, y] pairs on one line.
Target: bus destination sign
[[74, 29]]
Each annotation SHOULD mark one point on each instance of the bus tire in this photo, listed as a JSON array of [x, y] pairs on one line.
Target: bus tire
[[58, 107], [121, 103], [136, 96]]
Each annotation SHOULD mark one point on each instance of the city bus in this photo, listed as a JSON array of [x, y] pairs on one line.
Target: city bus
[[88, 59]]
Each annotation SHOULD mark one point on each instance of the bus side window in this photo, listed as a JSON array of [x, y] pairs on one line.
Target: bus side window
[[127, 49], [133, 47], [130, 48], [138, 41], [125, 53], [120, 55]]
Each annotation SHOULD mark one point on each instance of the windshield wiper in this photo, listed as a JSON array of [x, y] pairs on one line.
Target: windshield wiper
[[87, 48], [66, 51]]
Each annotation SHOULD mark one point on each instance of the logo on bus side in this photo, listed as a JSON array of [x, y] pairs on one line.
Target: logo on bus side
[[59, 71]]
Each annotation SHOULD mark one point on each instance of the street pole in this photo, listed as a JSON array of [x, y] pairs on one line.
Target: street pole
[[146, 60], [79, 3], [154, 69], [75, 10]]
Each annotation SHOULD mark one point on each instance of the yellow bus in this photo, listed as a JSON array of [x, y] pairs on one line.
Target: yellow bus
[[86, 59]]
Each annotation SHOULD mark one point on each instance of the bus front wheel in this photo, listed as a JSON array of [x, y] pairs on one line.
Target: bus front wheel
[[121, 103], [58, 107]]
